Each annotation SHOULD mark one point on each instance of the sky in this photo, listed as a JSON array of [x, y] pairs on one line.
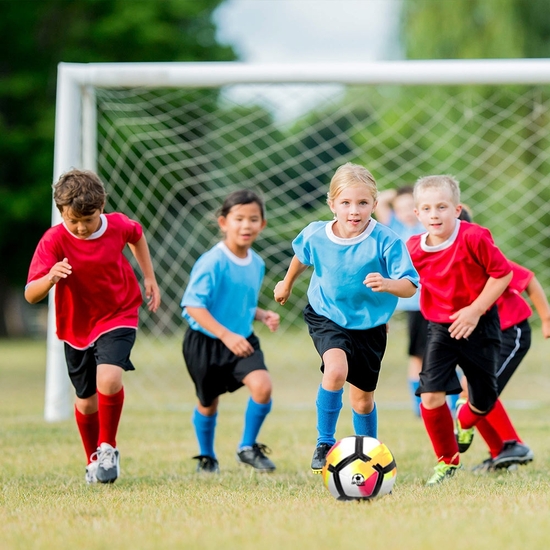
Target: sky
[[291, 31]]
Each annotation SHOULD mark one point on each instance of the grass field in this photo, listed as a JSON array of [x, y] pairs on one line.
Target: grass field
[[160, 503]]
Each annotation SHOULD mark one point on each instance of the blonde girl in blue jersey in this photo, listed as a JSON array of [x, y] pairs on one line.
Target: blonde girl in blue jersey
[[220, 349], [360, 269]]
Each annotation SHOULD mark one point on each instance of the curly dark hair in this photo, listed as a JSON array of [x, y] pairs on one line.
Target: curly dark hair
[[81, 191]]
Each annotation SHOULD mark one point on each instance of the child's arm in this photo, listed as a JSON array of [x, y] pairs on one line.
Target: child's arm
[[235, 342], [402, 288], [284, 288], [38, 289], [269, 318], [383, 210], [140, 250], [540, 302], [466, 319]]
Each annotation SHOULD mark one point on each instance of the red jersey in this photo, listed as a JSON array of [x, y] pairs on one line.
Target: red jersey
[[512, 307], [453, 273], [102, 293]]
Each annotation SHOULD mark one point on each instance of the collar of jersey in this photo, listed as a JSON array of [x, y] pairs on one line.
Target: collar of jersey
[[444, 244], [235, 259], [95, 235], [353, 240]]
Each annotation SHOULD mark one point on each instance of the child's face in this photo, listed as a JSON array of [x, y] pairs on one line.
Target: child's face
[[353, 208], [241, 227], [403, 207], [437, 213], [81, 226]]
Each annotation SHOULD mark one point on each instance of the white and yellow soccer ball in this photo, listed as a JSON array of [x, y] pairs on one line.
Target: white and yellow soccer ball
[[359, 467]]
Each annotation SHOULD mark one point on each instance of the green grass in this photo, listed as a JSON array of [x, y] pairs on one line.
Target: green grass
[[160, 503]]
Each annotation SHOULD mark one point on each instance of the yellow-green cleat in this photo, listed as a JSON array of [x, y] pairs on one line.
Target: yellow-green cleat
[[464, 437], [443, 471]]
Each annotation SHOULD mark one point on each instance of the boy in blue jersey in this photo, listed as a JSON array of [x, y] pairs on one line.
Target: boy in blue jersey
[[360, 269], [395, 209], [220, 349]]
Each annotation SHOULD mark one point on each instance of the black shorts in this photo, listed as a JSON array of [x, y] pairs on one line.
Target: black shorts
[[214, 368], [111, 348], [364, 348], [515, 343], [477, 355], [418, 333]]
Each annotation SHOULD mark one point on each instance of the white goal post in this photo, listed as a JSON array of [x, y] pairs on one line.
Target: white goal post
[[76, 129]]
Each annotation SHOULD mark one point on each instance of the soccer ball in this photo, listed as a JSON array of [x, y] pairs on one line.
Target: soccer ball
[[359, 467]]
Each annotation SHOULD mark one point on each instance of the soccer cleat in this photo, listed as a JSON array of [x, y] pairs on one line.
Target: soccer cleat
[[513, 453], [108, 463], [255, 456], [484, 467], [464, 437], [319, 457], [442, 471], [91, 472], [207, 464]]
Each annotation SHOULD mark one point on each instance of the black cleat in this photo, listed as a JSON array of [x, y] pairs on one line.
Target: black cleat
[[320, 457], [512, 453], [255, 456], [207, 464]]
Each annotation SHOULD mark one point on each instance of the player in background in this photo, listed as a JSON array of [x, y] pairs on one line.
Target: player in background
[[360, 268], [220, 349], [395, 209], [97, 298], [462, 274], [506, 448]]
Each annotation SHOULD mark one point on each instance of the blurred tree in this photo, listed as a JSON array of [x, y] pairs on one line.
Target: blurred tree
[[38, 34]]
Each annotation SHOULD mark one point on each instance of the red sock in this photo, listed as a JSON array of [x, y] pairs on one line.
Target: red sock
[[491, 437], [110, 410], [467, 417], [440, 427], [500, 421], [88, 426]]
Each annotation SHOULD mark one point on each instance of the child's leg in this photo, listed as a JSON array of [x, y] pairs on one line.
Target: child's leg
[[440, 427], [329, 395], [364, 413], [110, 394], [204, 422], [258, 407], [87, 421], [414, 368]]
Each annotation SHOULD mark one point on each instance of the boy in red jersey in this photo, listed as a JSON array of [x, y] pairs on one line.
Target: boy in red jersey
[[96, 302], [506, 448], [462, 274]]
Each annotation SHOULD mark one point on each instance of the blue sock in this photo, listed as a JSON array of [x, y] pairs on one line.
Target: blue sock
[[328, 404], [413, 386], [253, 419], [451, 402], [205, 429], [366, 424]]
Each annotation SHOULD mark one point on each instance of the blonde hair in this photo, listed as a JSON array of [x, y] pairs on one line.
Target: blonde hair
[[351, 175], [438, 182]]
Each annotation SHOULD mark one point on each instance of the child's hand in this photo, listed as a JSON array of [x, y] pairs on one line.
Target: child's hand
[[61, 270], [237, 344], [376, 282], [271, 320], [546, 328], [281, 292], [152, 294], [464, 322]]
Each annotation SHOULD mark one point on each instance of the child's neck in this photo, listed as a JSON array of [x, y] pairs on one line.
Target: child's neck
[[239, 251]]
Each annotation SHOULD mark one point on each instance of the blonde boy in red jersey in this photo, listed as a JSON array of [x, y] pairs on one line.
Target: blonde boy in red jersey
[[462, 274], [96, 302]]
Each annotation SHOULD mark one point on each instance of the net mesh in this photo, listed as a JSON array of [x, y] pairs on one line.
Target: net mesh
[[169, 157]]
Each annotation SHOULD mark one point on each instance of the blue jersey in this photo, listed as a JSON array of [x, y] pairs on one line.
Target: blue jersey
[[405, 232], [227, 286], [336, 288]]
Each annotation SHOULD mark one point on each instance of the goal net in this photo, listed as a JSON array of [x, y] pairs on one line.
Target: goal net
[[171, 142]]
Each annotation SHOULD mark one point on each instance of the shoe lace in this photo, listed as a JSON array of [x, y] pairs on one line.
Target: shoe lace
[[107, 458], [261, 449]]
